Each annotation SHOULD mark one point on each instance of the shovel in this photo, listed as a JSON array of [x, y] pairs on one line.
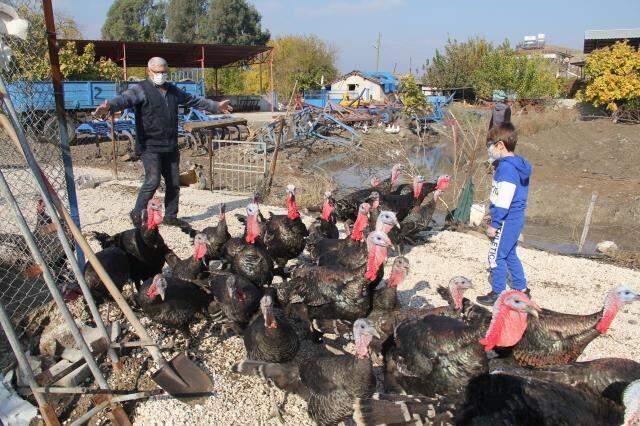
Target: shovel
[[178, 377]]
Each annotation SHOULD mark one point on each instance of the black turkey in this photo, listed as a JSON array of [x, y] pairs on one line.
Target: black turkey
[[247, 255], [235, 301], [172, 302], [330, 384], [144, 245], [194, 267], [285, 236], [270, 337], [438, 355], [217, 236]]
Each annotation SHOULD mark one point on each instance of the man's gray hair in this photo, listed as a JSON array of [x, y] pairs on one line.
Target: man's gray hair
[[156, 60]]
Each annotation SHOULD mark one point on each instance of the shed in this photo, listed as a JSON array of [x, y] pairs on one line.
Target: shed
[[378, 86], [597, 39]]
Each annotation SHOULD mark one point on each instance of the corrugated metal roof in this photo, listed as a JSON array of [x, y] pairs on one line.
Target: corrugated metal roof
[[178, 55], [609, 34]]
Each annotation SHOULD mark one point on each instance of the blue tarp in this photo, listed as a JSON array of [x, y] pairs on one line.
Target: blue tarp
[[389, 81]]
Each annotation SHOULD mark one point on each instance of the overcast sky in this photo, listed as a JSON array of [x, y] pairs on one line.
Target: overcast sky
[[412, 28]]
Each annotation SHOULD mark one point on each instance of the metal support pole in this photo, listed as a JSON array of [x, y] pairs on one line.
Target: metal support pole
[[51, 285], [215, 81], [47, 412], [124, 61], [260, 73], [58, 93]]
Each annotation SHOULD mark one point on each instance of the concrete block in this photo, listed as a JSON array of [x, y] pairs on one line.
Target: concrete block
[[74, 378], [71, 354]]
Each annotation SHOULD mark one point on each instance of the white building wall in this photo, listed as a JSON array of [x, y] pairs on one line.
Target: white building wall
[[376, 93]]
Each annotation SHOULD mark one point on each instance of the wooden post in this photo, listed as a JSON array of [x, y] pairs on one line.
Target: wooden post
[[215, 81], [114, 148], [273, 95], [587, 222], [274, 158], [260, 73], [124, 61]]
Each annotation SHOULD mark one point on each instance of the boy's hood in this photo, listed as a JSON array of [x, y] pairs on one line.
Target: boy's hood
[[521, 165]]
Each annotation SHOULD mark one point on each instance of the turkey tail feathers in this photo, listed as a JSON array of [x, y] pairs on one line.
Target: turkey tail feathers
[[338, 327], [383, 409]]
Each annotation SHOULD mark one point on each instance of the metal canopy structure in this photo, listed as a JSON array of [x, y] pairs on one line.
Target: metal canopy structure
[[597, 39], [178, 55], [181, 55]]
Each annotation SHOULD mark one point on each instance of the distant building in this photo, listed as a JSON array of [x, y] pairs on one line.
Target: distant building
[[378, 86], [561, 56], [597, 39]]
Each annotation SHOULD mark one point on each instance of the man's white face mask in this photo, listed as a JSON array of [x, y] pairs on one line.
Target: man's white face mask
[[159, 78]]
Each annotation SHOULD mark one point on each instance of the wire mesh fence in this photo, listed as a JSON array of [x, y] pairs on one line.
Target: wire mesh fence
[[237, 167], [28, 80]]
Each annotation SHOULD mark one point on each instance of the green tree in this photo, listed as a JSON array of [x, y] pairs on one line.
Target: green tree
[[455, 66], [526, 77], [302, 59], [413, 100], [135, 20], [31, 56], [183, 17], [232, 22]]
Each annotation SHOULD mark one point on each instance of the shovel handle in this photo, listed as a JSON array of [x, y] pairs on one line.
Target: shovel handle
[[86, 248]]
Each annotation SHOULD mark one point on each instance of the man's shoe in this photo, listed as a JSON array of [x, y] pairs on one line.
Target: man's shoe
[[174, 221], [527, 292], [135, 218], [489, 299]]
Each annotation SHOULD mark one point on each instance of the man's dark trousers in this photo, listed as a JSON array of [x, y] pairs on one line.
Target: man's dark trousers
[[156, 164]]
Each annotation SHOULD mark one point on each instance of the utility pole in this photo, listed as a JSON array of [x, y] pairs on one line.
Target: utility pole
[[377, 46], [410, 66]]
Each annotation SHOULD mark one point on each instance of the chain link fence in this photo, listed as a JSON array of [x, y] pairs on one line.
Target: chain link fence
[[22, 287]]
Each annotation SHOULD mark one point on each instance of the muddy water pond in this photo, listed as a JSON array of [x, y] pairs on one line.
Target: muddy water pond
[[434, 160]]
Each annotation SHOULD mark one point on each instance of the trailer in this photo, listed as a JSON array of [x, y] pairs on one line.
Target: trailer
[[80, 98]]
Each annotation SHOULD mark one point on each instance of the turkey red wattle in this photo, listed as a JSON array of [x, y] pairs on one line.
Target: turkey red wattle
[[396, 277], [362, 346], [292, 207], [507, 324], [377, 256], [612, 306], [154, 218], [443, 182], [200, 250], [253, 229], [417, 187], [361, 223], [327, 209]]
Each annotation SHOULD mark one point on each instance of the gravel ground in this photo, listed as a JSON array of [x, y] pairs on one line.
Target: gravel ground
[[561, 283]]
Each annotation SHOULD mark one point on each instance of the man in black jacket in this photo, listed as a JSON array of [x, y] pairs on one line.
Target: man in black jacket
[[155, 103]]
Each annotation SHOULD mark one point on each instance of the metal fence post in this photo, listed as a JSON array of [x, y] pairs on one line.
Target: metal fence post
[[58, 93], [47, 412]]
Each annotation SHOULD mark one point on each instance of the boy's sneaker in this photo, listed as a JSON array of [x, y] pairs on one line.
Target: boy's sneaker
[[489, 299], [527, 292], [174, 221]]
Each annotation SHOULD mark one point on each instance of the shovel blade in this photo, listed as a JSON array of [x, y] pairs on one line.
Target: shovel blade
[[181, 377]]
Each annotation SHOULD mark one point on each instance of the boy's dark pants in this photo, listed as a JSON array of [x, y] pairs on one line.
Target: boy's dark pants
[[156, 164]]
